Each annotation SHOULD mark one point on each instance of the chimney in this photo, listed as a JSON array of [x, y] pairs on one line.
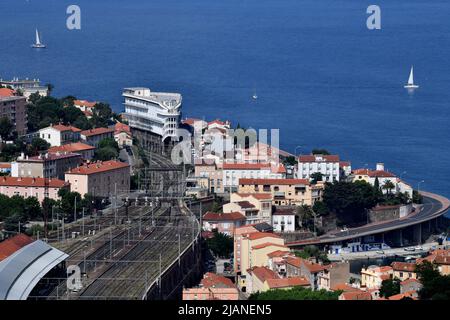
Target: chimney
[[380, 166]]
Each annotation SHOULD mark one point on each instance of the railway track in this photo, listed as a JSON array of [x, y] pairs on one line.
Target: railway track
[[129, 277]]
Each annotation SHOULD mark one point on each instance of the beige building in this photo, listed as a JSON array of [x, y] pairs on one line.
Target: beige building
[[404, 270], [94, 136], [373, 276], [211, 176], [39, 188], [336, 273], [284, 191], [253, 252], [101, 179], [49, 165], [122, 135], [255, 207]]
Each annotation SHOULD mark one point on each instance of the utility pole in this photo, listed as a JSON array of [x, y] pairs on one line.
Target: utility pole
[[75, 210], [82, 221]]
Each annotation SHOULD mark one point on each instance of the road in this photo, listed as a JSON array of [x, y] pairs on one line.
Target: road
[[433, 206], [404, 252]]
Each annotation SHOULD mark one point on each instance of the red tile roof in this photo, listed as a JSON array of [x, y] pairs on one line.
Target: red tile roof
[[31, 182], [259, 196], [408, 281], [288, 282], [356, 295], [294, 261], [263, 273], [343, 287], [97, 167], [278, 253], [11, 245], [230, 216], [121, 127], [316, 157], [50, 156], [84, 103], [72, 147], [260, 235], [381, 174], [403, 266], [5, 92], [62, 128], [96, 132], [5, 165], [442, 260], [246, 166], [268, 244], [190, 121], [274, 181], [408, 294], [213, 280], [313, 267]]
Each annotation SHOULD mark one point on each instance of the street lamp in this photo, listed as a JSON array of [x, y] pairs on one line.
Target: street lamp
[[295, 151], [418, 186]]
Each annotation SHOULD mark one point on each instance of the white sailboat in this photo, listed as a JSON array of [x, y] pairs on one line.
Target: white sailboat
[[38, 43], [411, 84]]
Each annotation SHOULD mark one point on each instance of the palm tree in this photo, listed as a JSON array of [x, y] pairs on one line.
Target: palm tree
[[388, 186]]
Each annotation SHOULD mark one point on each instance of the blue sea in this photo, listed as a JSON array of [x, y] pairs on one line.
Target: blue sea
[[321, 76]]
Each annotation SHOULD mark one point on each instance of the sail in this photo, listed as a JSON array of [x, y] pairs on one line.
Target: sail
[[38, 41], [411, 77]]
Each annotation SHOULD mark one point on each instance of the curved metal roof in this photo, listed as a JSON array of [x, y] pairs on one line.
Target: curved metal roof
[[21, 271]]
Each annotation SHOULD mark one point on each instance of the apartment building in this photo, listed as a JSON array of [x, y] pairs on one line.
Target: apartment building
[[48, 165], [212, 175], [223, 222], [94, 136], [152, 113], [284, 192], [14, 109], [256, 208], [234, 172], [336, 273], [283, 218], [40, 188], [373, 276], [212, 287], [327, 165], [100, 179], [252, 251], [58, 135]]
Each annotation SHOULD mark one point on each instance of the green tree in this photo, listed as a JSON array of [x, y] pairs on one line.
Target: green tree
[[290, 161], [220, 244], [350, 200], [435, 285], [389, 287], [5, 128], [296, 293], [312, 252], [320, 208], [388, 186], [67, 202], [316, 177], [38, 145], [305, 214], [376, 184]]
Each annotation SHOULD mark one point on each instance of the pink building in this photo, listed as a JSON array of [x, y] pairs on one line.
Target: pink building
[[212, 287], [223, 222], [31, 187]]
